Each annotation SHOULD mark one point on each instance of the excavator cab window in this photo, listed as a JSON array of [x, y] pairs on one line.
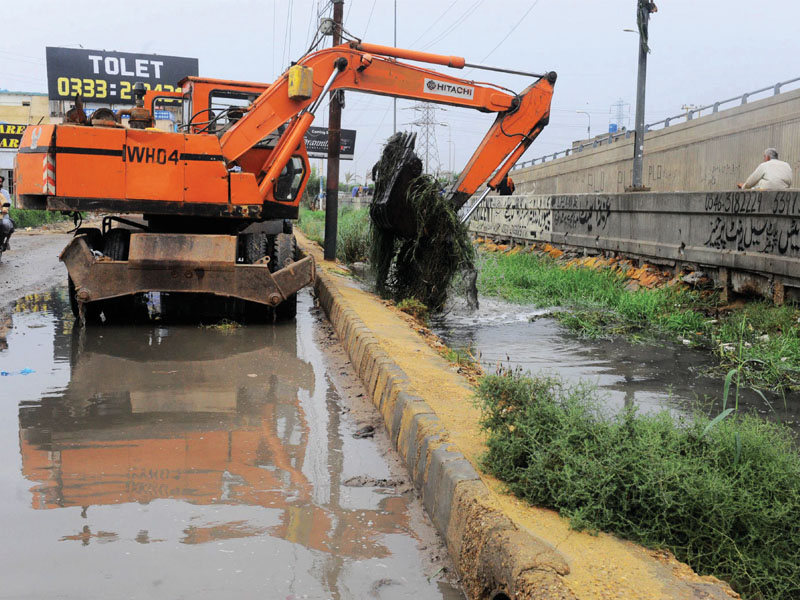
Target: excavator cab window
[[187, 110], [290, 179], [227, 107]]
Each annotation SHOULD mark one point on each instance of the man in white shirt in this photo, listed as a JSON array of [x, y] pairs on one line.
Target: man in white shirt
[[4, 197], [772, 174]]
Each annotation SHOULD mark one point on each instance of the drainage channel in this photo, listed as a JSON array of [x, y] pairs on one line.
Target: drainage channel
[[652, 377], [182, 461]]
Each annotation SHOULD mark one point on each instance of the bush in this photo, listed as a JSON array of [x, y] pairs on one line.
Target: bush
[[725, 500], [34, 218], [352, 238]]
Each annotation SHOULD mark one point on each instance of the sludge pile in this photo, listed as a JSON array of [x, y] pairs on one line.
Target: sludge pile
[[418, 241]]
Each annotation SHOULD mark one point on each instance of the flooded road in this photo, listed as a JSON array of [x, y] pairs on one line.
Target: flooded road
[[649, 376], [186, 462]]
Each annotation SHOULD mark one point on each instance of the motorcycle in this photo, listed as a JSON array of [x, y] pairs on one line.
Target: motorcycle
[[6, 228]]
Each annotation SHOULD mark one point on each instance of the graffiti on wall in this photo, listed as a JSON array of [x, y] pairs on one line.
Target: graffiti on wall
[[754, 221], [755, 234], [521, 217], [581, 213]]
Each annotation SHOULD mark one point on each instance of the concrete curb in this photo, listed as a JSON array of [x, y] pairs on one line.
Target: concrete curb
[[494, 558]]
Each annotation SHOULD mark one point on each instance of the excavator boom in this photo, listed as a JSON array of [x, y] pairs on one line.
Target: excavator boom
[[374, 69]]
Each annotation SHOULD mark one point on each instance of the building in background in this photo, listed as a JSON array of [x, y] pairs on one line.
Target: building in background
[[17, 111]]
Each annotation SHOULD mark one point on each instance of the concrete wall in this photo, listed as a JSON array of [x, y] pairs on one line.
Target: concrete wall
[[707, 153], [757, 233]]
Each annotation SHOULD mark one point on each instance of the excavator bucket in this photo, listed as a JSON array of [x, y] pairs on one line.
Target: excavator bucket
[[391, 210]]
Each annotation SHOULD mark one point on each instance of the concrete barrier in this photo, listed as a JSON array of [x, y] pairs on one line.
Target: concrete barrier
[[501, 547], [714, 152], [750, 240]]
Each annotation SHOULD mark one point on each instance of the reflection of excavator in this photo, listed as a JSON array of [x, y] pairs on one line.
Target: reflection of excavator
[[215, 195], [198, 428]]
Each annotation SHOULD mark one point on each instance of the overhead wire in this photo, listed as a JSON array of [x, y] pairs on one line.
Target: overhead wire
[[310, 22], [370, 18], [274, 19], [504, 39], [448, 30], [432, 25], [349, 7], [289, 32]]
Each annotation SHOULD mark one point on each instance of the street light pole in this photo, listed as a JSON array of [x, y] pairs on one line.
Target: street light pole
[[589, 128], [643, 10]]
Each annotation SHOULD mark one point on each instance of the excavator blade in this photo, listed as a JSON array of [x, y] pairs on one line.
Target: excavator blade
[[391, 209]]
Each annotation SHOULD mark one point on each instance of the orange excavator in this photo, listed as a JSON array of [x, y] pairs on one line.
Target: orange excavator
[[217, 196]]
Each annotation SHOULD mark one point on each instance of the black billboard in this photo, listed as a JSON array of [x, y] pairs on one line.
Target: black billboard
[[317, 143], [108, 77], [10, 135]]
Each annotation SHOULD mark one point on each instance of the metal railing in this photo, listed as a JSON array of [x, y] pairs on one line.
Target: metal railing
[[684, 117]]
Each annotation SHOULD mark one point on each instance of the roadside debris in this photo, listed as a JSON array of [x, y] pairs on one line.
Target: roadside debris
[[20, 372], [367, 431]]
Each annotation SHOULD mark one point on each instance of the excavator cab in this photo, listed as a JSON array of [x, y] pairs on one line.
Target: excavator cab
[[213, 106]]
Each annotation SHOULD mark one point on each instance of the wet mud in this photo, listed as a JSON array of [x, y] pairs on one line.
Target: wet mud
[[651, 377], [172, 462]]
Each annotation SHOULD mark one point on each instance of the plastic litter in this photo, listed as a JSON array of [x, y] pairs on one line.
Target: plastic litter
[[25, 371]]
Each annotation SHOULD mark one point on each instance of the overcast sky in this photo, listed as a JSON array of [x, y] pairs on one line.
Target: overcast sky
[[702, 51]]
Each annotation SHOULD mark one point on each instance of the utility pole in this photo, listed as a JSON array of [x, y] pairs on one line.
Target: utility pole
[[643, 10], [589, 127], [334, 145]]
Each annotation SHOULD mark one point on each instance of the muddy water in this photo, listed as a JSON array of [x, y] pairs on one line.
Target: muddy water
[[181, 462], [649, 376]]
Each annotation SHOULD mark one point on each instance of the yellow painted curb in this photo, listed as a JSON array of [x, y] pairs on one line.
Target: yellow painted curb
[[502, 547]]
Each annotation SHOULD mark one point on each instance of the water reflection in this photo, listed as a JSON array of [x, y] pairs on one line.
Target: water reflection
[[242, 426]]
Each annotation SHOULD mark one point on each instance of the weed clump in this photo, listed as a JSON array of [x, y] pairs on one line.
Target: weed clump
[[224, 326], [418, 241], [415, 308], [722, 496]]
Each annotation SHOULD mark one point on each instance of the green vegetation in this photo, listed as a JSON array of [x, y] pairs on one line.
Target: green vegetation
[[461, 357], [418, 241], [415, 308], [34, 218], [224, 326], [352, 238], [762, 339], [722, 495]]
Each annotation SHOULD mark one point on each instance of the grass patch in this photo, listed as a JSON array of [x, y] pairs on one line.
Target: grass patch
[[34, 218], [725, 499], [415, 308], [352, 237], [462, 357], [762, 339]]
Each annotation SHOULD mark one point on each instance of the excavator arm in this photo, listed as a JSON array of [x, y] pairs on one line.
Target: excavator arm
[[375, 69]]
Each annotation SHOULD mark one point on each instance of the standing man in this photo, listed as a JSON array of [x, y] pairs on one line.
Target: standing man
[[772, 174], [506, 187], [5, 199]]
